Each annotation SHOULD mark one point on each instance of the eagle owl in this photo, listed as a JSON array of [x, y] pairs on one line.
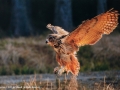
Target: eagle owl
[[89, 32]]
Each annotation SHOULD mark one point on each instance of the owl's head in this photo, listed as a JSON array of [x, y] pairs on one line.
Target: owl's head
[[55, 40], [57, 37]]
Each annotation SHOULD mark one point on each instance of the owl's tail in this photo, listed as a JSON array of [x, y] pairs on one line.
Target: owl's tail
[[73, 66]]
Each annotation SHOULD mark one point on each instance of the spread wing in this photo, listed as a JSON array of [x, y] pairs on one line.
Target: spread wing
[[90, 31], [57, 30]]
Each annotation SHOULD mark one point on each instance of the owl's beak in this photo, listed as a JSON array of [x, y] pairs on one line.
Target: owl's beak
[[46, 41]]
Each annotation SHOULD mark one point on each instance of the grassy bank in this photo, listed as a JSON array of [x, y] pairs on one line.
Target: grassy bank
[[25, 56], [31, 55]]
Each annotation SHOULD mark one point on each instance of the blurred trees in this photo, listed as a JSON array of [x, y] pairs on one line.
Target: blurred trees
[[36, 14], [63, 14], [5, 14], [101, 6], [42, 14], [83, 10], [20, 23]]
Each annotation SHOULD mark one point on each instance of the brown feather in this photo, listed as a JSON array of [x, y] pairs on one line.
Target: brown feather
[[90, 31]]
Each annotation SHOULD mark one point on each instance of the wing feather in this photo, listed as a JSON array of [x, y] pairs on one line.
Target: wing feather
[[90, 31], [57, 30]]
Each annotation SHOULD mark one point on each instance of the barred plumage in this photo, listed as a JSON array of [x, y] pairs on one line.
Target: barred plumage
[[89, 32]]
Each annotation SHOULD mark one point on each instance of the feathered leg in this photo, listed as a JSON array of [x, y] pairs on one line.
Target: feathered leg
[[71, 65]]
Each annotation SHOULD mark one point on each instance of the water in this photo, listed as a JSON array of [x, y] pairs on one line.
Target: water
[[86, 77]]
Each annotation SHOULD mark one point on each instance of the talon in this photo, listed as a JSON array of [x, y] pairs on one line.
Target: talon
[[56, 70], [59, 70]]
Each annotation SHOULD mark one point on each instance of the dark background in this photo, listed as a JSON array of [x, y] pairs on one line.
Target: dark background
[[30, 17]]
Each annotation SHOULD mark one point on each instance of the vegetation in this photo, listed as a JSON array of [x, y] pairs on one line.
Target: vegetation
[[25, 56], [31, 55], [71, 84], [104, 55]]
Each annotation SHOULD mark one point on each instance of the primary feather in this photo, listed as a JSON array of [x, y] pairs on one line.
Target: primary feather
[[90, 31]]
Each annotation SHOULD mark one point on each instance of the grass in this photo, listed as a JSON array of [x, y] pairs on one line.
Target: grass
[[31, 55], [66, 84], [25, 56], [104, 55]]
